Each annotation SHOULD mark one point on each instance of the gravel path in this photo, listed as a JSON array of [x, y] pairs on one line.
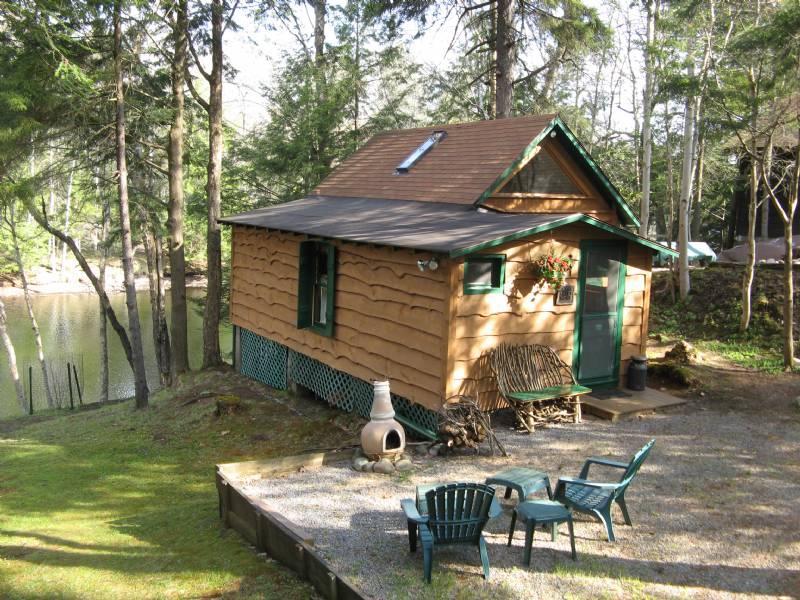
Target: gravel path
[[715, 512]]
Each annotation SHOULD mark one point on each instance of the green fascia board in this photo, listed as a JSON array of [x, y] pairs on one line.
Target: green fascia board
[[516, 236], [523, 158], [555, 224], [525, 155], [642, 241], [598, 172]]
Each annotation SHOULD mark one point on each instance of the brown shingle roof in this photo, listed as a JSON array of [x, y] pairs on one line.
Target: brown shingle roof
[[435, 226], [457, 170]]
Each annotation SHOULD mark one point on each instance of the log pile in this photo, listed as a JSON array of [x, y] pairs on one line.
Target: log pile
[[560, 410], [463, 424]]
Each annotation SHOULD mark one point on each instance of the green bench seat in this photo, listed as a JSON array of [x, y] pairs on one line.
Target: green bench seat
[[529, 375], [550, 393]]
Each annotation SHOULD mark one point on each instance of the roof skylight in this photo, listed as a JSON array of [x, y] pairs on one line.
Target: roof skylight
[[422, 150]]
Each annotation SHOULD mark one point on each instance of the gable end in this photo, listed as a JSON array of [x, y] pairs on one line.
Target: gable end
[[559, 186]]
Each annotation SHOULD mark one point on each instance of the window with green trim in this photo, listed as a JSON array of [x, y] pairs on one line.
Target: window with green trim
[[315, 293], [484, 274]]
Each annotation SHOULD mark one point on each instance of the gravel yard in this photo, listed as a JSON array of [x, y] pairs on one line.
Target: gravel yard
[[715, 511]]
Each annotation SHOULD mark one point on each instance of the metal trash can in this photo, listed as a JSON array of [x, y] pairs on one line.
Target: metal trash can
[[637, 373]]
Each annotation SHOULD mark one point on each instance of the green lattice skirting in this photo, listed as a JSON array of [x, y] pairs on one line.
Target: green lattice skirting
[[275, 364], [263, 359]]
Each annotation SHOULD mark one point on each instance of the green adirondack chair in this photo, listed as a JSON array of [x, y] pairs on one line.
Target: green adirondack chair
[[595, 498], [451, 514]]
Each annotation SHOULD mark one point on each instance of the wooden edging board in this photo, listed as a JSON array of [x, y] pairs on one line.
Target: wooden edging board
[[271, 532]]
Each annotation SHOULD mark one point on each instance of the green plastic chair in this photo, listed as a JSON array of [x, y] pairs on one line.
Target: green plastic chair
[[595, 498], [451, 514]]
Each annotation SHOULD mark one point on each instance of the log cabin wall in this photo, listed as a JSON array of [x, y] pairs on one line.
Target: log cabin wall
[[389, 317], [525, 313], [585, 199]]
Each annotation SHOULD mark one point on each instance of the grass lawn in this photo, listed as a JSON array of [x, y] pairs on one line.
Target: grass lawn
[[115, 503]]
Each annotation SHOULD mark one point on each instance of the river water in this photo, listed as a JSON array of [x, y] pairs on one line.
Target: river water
[[70, 328]]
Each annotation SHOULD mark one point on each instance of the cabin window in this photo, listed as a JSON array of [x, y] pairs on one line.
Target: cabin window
[[484, 274], [541, 176], [315, 294]]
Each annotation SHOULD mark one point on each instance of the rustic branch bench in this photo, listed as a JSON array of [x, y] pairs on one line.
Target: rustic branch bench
[[529, 375]]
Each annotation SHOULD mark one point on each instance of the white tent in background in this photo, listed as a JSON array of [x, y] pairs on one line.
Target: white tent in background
[[767, 251], [698, 252]]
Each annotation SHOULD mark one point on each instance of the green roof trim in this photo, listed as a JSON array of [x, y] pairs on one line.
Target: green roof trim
[[558, 125], [523, 158], [555, 224], [598, 172]]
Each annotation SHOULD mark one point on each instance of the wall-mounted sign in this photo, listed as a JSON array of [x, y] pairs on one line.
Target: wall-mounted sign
[[565, 295]]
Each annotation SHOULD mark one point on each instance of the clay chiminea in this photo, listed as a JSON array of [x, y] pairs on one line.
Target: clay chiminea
[[383, 436]]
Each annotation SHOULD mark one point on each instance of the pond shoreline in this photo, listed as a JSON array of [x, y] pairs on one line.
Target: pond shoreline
[[72, 282]]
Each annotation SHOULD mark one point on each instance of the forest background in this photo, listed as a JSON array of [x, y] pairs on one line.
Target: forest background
[[128, 128]]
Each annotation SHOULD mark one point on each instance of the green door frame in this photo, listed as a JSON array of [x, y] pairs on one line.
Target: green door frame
[[585, 247]]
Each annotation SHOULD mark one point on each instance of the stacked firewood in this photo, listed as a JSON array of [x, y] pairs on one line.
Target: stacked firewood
[[463, 424], [560, 410]]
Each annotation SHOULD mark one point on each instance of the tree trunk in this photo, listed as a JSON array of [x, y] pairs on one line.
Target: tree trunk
[[37, 337], [750, 266], [752, 206], [67, 210], [51, 206], [491, 101], [12, 358], [322, 141], [139, 373], [687, 173], [356, 94], [211, 316], [102, 281], [551, 76], [670, 197], [697, 214], [175, 209], [647, 109], [788, 294], [155, 269], [787, 216], [87, 270], [319, 32], [765, 202], [505, 45]]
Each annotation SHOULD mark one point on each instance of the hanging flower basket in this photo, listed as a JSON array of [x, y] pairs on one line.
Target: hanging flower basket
[[553, 269]]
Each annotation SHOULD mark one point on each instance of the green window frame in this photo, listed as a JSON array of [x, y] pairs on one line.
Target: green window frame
[[475, 267], [316, 287]]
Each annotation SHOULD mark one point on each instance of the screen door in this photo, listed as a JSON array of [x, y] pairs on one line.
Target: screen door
[[602, 290]]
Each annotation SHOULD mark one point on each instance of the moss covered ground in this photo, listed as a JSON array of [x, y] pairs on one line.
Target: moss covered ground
[[709, 317]]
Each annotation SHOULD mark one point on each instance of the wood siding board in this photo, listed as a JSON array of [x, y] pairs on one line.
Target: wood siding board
[[396, 333], [449, 330], [532, 317], [554, 205]]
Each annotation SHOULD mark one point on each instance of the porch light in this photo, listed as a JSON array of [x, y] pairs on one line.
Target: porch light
[[428, 265]]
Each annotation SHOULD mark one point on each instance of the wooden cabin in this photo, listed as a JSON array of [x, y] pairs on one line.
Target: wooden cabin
[[414, 259]]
